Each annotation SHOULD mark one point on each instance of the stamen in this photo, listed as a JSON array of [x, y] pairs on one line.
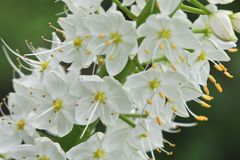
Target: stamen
[[169, 143], [201, 118], [55, 28], [206, 90], [218, 67], [207, 97], [228, 74], [218, 87], [233, 50]]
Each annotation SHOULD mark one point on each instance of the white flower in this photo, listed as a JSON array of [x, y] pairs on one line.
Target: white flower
[[100, 98], [147, 136], [221, 26], [43, 149], [235, 19], [75, 48], [167, 7], [163, 36], [99, 147], [202, 24], [172, 86], [220, 1], [17, 126], [83, 6], [56, 107], [114, 37]]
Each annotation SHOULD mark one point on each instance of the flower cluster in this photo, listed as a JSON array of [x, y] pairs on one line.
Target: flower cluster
[[114, 79]]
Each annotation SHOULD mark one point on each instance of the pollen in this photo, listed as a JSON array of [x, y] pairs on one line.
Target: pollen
[[57, 105], [233, 50], [165, 34], [158, 120], [149, 101], [201, 118], [44, 66], [116, 37], [20, 124], [78, 42], [101, 60], [99, 154], [204, 104], [100, 97], [228, 74], [154, 84], [218, 67], [218, 87], [207, 97], [202, 56], [206, 90], [43, 158]]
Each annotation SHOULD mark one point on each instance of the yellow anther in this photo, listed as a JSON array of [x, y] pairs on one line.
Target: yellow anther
[[204, 104], [147, 113], [101, 60], [43, 66], [146, 51], [101, 36], [99, 154], [207, 97], [173, 46], [20, 124], [158, 120], [182, 58], [154, 84], [78, 42], [218, 87], [201, 118], [149, 101], [212, 79], [100, 97], [228, 74], [107, 43], [206, 90], [218, 67], [233, 50], [144, 135], [161, 95], [173, 67], [169, 100], [174, 109], [111, 57], [170, 153], [158, 150], [57, 105], [223, 67], [161, 46]]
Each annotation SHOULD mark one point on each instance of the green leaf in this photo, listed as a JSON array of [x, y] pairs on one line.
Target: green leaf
[[149, 9]]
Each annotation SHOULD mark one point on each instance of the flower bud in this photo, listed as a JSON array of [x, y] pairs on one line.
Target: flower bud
[[221, 26], [235, 18]]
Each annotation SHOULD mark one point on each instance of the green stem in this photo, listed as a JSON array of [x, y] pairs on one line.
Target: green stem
[[135, 115], [175, 10], [192, 9], [201, 6], [125, 10], [154, 61], [126, 120], [136, 62]]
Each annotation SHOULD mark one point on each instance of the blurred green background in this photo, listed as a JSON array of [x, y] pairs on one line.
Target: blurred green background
[[218, 139]]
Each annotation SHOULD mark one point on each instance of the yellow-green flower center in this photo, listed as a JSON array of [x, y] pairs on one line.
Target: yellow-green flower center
[[100, 97], [43, 158], [116, 37], [99, 154], [57, 105], [154, 84], [202, 56], [44, 66], [20, 124], [165, 34], [78, 42]]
